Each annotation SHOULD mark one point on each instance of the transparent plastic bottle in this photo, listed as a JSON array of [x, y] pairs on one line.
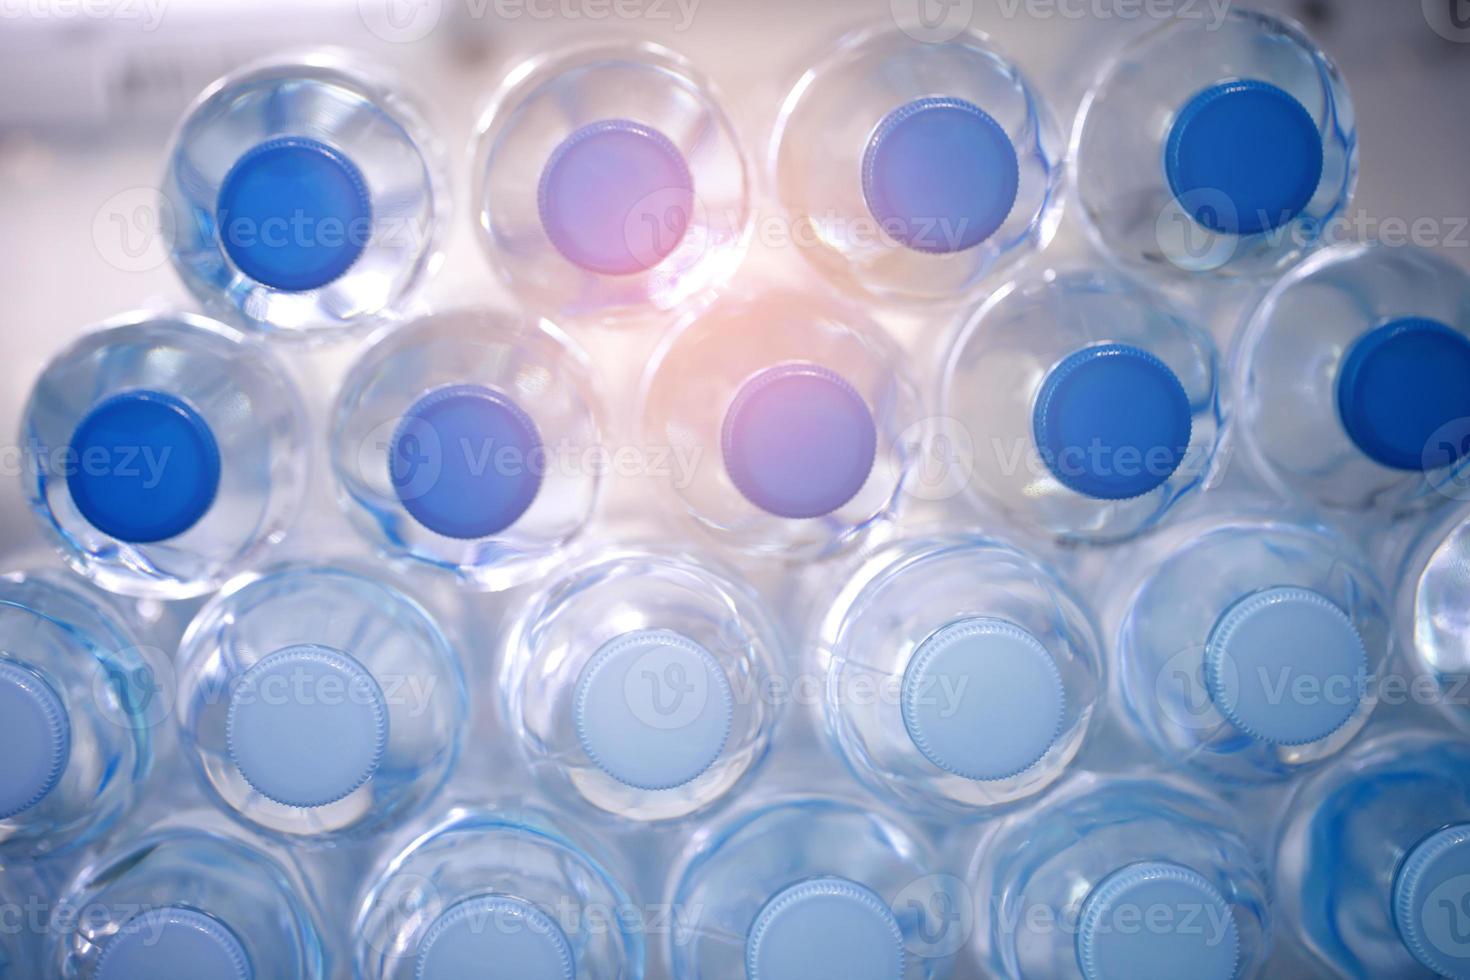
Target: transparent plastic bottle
[[319, 704], [1226, 147], [640, 681], [961, 673], [307, 197], [610, 184], [910, 170], [1092, 405], [1123, 879], [816, 889], [1373, 861], [164, 454], [790, 423], [499, 891], [1254, 650], [1431, 617], [188, 901], [1353, 379], [74, 716], [463, 440]]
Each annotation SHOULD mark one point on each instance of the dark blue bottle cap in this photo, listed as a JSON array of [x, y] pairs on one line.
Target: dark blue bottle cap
[[294, 214], [495, 935], [1112, 422], [825, 927], [174, 943], [1286, 632], [616, 197], [983, 699], [145, 467], [798, 440], [35, 731], [1243, 157], [306, 726], [1399, 386], [466, 462], [1431, 894], [940, 175], [653, 709], [1157, 921]]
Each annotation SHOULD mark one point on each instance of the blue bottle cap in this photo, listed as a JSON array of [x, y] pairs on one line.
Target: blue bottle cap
[[616, 197], [1430, 895], [983, 699], [1286, 666], [307, 726], [825, 929], [294, 214], [1112, 422], [495, 934], [798, 440], [940, 175], [1249, 145], [1399, 385], [36, 733], [173, 943], [145, 467], [653, 709], [466, 462], [1157, 921]]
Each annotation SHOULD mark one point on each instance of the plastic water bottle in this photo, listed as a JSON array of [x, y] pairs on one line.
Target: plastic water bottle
[[1091, 404], [610, 184], [961, 673], [306, 197], [1123, 879], [504, 892], [165, 454], [75, 716], [1223, 146], [641, 682], [1431, 617], [466, 440], [1373, 862], [318, 703], [788, 423], [188, 901], [1353, 381], [817, 889], [1254, 650], [910, 170]]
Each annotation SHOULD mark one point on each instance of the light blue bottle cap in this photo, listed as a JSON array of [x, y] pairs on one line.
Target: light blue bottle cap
[[466, 462], [1399, 386], [1286, 666], [1431, 896], [940, 175], [173, 943], [1112, 422], [825, 929], [145, 467], [294, 214], [983, 699], [495, 935], [1157, 921], [616, 197], [307, 726], [653, 709], [1249, 145], [35, 732], [798, 440]]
